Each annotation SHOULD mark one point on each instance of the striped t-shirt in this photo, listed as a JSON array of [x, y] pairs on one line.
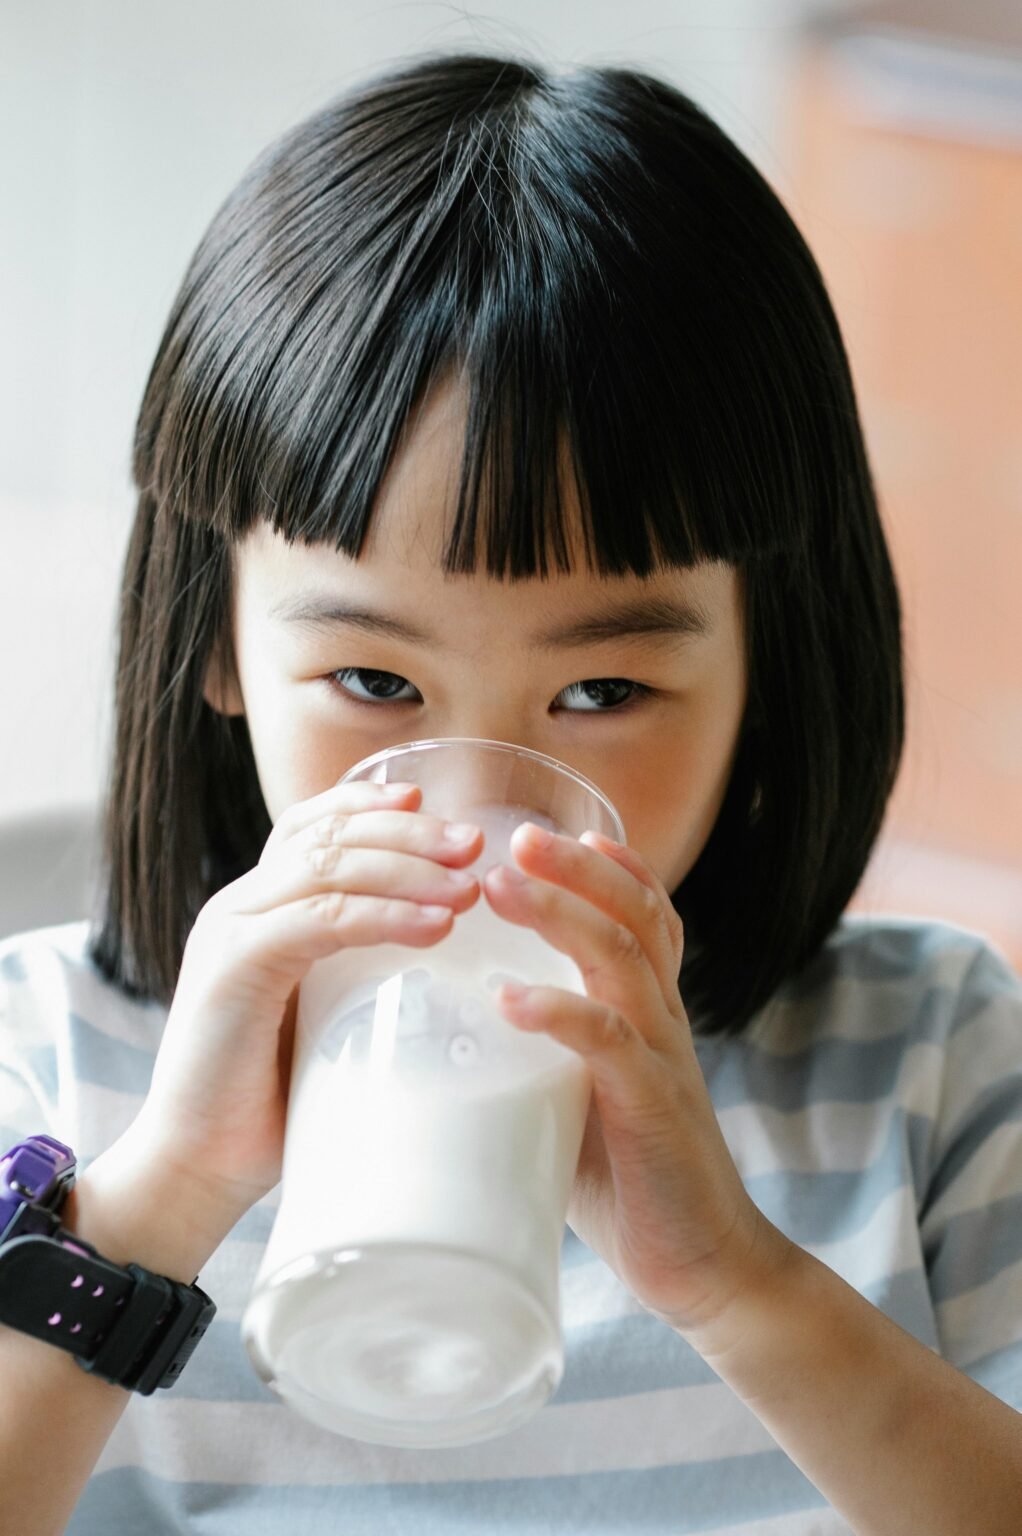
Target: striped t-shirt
[[874, 1109]]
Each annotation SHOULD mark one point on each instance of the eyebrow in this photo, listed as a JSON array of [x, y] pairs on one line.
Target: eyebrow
[[661, 620]]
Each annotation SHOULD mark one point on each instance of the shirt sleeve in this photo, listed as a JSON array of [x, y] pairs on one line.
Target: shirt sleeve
[[27, 1052], [971, 1216]]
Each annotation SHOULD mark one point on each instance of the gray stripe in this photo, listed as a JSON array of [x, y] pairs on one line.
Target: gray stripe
[[826, 1207], [999, 1103], [987, 980], [974, 1247], [626, 1356], [13, 967], [110, 1063], [843, 1071], [919, 1143], [574, 1250], [879, 954], [220, 1371], [1001, 1374], [255, 1225], [700, 1496], [95, 1059]]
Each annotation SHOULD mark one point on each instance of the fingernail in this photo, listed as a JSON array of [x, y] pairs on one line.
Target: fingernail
[[509, 875], [395, 791], [459, 832], [433, 914], [539, 837], [602, 838]]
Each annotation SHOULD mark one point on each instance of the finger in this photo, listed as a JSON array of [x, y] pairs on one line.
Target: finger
[[401, 831], [614, 966], [345, 799], [309, 869], [619, 883], [282, 941], [615, 1051], [672, 927]]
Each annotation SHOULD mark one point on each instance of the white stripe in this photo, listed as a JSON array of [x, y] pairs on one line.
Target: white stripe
[[792, 1027], [993, 1172], [824, 1137], [23, 1025], [39, 1004], [188, 1440], [921, 1078], [985, 1319], [857, 1008], [133, 1023], [59, 981], [980, 1053], [19, 1103], [92, 1116], [592, 1293]]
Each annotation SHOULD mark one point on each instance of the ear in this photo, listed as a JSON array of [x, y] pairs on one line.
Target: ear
[[221, 689]]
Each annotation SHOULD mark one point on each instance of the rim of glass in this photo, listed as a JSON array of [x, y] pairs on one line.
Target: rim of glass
[[494, 746]]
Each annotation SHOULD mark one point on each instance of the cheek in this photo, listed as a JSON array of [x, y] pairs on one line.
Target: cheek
[[669, 813], [674, 795], [299, 748]]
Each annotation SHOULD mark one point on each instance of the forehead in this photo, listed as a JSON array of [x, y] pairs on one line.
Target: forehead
[[400, 565], [415, 511], [306, 594]]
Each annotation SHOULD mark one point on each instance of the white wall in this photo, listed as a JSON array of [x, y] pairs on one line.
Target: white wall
[[123, 125]]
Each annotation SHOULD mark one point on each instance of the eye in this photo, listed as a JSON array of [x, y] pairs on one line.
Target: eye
[[601, 695], [605, 694], [380, 686]]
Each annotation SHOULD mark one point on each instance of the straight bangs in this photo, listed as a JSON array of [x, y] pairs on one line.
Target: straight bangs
[[513, 248]]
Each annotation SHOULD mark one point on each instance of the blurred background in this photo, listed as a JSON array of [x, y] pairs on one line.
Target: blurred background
[[892, 132]]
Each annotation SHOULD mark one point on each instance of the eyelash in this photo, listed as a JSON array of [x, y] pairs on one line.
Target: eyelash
[[640, 691]]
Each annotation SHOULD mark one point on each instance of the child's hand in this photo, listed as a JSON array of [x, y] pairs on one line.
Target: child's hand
[[343, 868], [657, 1194]]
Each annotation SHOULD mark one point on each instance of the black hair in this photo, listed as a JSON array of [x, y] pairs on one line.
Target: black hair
[[603, 269]]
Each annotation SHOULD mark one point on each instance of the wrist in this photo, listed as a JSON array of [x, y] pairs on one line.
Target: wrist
[[756, 1286], [133, 1208]]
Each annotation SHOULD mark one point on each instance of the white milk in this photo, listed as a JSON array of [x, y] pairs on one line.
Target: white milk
[[430, 1136]]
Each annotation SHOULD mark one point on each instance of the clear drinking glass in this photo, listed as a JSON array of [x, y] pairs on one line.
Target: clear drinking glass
[[410, 1290]]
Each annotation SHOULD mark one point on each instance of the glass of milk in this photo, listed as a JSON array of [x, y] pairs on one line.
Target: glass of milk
[[409, 1294]]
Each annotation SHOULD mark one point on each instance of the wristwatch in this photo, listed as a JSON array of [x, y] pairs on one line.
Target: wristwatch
[[128, 1325]]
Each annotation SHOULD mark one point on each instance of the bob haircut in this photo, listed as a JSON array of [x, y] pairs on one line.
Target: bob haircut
[[608, 275]]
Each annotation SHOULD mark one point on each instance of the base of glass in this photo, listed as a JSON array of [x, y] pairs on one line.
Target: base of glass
[[404, 1344]]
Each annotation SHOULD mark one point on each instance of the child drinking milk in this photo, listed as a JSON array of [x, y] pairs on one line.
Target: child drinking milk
[[510, 404]]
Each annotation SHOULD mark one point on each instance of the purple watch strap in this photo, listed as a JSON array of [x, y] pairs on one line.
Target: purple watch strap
[[38, 1171]]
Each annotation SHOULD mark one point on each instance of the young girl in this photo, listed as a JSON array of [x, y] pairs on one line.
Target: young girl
[[507, 404]]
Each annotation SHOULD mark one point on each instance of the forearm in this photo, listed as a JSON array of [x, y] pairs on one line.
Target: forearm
[[896, 1439], [55, 1418]]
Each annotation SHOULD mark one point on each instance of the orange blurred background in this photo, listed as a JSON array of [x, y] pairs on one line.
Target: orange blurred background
[[906, 140]]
